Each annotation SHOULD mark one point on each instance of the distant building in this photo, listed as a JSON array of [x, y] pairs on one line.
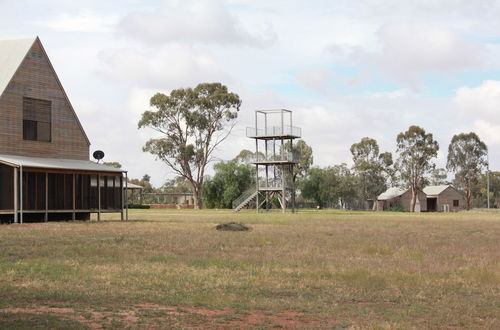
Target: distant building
[[45, 171], [395, 196], [443, 198]]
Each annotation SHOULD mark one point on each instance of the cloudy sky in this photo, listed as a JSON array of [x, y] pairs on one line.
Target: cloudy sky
[[348, 69]]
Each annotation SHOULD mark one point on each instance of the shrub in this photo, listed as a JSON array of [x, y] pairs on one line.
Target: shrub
[[397, 208], [138, 206]]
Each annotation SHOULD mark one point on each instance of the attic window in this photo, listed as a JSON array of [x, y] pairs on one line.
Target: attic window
[[36, 56], [37, 118]]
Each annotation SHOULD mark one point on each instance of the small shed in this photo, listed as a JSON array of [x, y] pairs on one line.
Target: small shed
[[444, 198], [397, 196]]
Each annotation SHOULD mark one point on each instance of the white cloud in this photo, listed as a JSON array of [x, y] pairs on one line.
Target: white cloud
[[85, 21], [482, 101], [408, 52], [192, 21], [481, 106], [170, 67], [488, 131], [315, 79]]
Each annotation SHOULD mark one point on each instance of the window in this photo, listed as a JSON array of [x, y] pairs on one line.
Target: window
[[455, 203], [37, 118]]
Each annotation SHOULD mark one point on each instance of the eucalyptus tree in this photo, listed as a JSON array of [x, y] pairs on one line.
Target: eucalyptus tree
[[191, 122], [416, 149], [467, 158], [373, 169]]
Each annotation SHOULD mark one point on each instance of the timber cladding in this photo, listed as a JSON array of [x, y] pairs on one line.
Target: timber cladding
[[36, 79]]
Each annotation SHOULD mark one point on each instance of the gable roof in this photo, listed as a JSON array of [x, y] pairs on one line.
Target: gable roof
[[12, 54], [435, 190], [391, 193]]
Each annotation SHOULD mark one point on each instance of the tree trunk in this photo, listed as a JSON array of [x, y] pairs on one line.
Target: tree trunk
[[413, 199], [468, 196], [198, 203]]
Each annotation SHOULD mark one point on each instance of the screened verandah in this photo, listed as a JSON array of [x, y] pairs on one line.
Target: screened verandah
[[42, 194]]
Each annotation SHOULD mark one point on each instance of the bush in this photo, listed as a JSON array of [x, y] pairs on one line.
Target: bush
[[397, 208], [138, 206]]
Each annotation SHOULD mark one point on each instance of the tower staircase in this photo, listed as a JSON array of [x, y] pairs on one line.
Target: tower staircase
[[244, 199]]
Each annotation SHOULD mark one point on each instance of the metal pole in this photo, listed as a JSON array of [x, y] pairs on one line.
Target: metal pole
[[283, 189], [256, 167], [265, 124], [46, 196], [16, 196], [282, 124], [98, 197], [21, 194], [126, 195], [122, 196], [74, 198], [488, 177]]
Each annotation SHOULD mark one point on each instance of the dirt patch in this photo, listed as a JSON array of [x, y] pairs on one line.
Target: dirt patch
[[158, 316]]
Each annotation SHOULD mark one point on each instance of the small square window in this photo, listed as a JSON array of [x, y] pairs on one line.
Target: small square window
[[456, 202]]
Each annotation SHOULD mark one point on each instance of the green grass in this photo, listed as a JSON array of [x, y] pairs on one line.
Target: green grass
[[171, 268]]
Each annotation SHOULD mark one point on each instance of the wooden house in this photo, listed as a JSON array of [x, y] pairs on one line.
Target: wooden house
[[444, 198], [396, 196], [45, 171]]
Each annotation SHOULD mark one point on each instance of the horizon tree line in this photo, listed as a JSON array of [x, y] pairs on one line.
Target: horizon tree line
[[192, 122]]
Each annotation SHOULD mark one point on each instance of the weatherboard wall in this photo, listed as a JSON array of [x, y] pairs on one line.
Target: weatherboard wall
[[35, 78]]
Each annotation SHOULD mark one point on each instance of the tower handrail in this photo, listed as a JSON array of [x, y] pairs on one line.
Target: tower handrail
[[244, 196], [285, 130]]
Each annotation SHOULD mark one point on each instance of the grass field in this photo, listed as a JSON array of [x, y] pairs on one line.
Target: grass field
[[315, 269]]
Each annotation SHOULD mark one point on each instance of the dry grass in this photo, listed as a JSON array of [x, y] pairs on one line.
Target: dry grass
[[172, 269]]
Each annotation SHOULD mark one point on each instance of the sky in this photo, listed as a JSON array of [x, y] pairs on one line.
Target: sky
[[347, 69]]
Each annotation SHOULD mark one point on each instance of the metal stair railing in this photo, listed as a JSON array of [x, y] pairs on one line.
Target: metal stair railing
[[244, 198]]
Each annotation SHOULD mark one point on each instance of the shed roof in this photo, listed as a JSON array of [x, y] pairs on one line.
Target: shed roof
[[134, 186], [12, 54], [435, 190], [56, 163], [391, 193]]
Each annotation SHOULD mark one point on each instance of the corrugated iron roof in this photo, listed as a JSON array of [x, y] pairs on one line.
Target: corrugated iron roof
[[391, 193], [134, 186], [56, 163], [12, 53], [435, 190]]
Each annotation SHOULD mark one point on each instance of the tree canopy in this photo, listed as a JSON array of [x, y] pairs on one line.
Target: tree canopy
[[228, 183], [192, 122], [416, 149], [467, 157], [373, 170]]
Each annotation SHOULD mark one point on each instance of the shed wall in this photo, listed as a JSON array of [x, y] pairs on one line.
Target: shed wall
[[447, 197]]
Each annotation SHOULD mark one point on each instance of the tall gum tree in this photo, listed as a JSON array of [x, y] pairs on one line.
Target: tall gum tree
[[191, 122], [467, 157], [372, 168], [416, 149]]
